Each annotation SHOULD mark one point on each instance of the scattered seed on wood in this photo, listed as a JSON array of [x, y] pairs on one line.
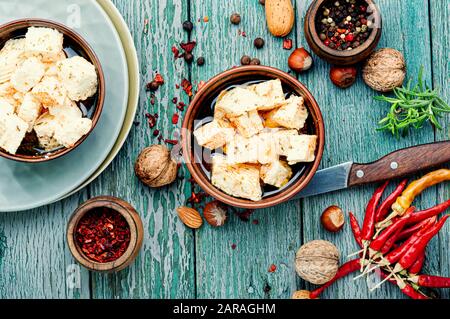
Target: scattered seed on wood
[[188, 26], [258, 43], [200, 61], [235, 18], [245, 60]]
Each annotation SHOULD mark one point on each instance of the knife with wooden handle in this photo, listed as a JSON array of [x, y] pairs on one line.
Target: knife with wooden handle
[[397, 164]]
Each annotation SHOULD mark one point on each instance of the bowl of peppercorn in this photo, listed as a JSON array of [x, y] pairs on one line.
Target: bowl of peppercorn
[[343, 32], [105, 234]]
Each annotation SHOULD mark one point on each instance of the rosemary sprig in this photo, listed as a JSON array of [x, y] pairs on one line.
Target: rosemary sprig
[[412, 107]]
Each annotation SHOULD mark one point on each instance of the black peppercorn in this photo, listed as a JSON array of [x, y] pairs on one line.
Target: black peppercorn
[[235, 18], [255, 61], [152, 86], [245, 60], [188, 26], [200, 61], [258, 43], [188, 57]]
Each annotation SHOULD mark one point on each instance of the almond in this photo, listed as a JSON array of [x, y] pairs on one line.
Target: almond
[[190, 217], [280, 17]]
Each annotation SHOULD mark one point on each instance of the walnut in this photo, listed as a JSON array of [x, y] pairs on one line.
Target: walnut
[[301, 294], [155, 167], [317, 261], [385, 70]]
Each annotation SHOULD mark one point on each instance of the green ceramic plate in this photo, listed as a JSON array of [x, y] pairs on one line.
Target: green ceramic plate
[[134, 82], [25, 186]]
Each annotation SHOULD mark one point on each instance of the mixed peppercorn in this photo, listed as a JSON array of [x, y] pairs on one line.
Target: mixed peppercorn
[[103, 235], [344, 25]]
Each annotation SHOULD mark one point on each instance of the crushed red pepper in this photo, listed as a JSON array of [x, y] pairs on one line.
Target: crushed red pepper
[[187, 86], [159, 79], [287, 44], [272, 268], [175, 118], [151, 119], [103, 235]]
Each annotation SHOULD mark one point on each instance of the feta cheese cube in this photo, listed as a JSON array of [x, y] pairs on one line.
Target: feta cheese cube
[[282, 140], [45, 43], [29, 110], [301, 148], [50, 92], [6, 107], [214, 134], [277, 173], [248, 124], [241, 180], [28, 74], [242, 150], [267, 148], [12, 130], [45, 127], [70, 130], [78, 77], [237, 102], [11, 55], [270, 93], [292, 114]]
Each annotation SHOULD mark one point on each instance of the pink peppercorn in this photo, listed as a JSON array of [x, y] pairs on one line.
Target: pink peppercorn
[[326, 42]]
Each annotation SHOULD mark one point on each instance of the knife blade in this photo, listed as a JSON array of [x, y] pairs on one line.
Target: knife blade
[[397, 164]]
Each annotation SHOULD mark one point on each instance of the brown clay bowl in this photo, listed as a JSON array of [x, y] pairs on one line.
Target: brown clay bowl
[[136, 232], [346, 57], [17, 29], [211, 90]]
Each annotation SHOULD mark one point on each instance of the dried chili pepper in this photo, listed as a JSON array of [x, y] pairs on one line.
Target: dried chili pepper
[[386, 205], [369, 220], [103, 235], [355, 229], [187, 87], [418, 264], [406, 289], [430, 212], [431, 281]]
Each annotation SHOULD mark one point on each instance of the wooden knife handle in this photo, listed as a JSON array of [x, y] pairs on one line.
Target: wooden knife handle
[[401, 163]]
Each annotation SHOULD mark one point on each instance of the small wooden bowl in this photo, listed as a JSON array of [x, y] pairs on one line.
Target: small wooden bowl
[[17, 28], [211, 90], [346, 57], [136, 232]]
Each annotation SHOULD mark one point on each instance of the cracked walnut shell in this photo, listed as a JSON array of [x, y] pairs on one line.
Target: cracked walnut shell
[[155, 167], [385, 70], [317, 261]]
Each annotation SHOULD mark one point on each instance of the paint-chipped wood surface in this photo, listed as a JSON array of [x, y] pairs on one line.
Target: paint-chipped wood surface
[[176, 262]]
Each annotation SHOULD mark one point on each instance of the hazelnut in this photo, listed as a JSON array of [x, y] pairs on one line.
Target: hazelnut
[[300, 60], [343, 77], [215, 213], [155, 167], [385, 70], [317, 261], [332, 219], [235, 18], [301, 294]]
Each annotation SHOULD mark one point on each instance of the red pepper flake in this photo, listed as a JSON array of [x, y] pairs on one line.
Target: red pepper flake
[[242, 33], [177, 86], [176, 52], [172, 142], [155, 133], [159, 79], [188, 47], [272, 268], [103, 235], [187, 87], [255, 222], [151, 119], [175, 118], [200, 85], [233, 246], [205, 19], [287, 44], [181, 106]]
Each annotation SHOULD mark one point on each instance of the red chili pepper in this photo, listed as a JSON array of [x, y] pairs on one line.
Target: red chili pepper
[[408, 232], [408, 290], [430, 212], [369, 219], [355, 228], [390, 243], [431, 281], [417, 247], [418, 264], [378, 243], [397, 253], [344, 270], [386, 205]]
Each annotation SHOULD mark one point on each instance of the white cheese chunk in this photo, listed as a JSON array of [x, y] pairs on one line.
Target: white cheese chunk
[[241, 180], [11, 55], [45, 127], [78, 77], [70, 131], [248, 124], [12, 131], [50, 92], [6, 107], [270, 93], [292, 114], [214, 134], [242, 150], [29, 110], [45, 43], [28, 74], [301, 149], [236, 102], [282, 140], [277, 173], [267, 148]]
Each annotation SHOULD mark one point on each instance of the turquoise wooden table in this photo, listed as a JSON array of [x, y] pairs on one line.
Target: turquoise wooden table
[[176, 262]]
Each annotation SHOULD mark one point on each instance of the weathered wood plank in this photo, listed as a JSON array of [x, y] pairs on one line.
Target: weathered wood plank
[[350, 121], [243, 272], [440, 27], [34, 258], [165, 266]]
